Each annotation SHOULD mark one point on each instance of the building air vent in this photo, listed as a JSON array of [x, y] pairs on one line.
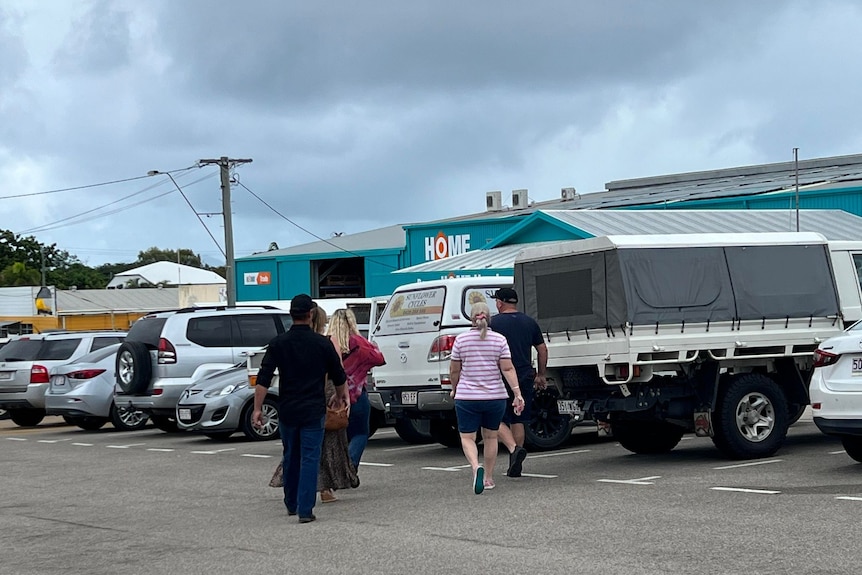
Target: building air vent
[[568, 194], [519, 199], [494, 201]]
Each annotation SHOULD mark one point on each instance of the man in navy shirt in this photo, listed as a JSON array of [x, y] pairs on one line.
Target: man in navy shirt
[[303, 359], [523, 334]]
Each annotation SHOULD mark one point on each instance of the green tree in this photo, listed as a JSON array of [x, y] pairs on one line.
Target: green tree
[[182, 256], [18, 274]]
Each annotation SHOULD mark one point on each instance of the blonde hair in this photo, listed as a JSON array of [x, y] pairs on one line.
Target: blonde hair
[[479, 315], [341, 326], [318, 320]]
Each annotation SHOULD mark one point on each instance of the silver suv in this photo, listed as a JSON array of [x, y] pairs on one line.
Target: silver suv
[[26, 361], [166, 352]]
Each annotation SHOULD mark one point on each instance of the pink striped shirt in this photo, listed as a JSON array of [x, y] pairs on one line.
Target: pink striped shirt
[[480, 365]]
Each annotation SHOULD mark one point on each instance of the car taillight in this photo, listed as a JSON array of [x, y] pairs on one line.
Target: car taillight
[[39, 374], [441, 349], [823, 358], [167, 353], [85, 373]]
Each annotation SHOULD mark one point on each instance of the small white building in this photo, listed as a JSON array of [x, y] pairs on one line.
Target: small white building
[[166, 273]]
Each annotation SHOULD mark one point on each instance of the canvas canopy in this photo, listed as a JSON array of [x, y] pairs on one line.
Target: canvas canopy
[[648, 285]]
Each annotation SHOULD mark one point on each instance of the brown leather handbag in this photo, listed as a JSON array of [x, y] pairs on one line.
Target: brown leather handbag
[[336, 418]]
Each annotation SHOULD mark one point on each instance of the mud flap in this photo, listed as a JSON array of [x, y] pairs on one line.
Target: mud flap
[[703, 423]]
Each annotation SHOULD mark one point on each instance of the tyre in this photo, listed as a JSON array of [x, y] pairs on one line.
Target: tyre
[[269, 409], [647, 437], [127, 419], [376, 421], [853, 446], [547, 428], [794, 412], [165, 423], [444, 432], [27, 417], [219, 435], [134, 367], [750, 419], [4, 414], [414, 431], [70, 420], [90, 423]]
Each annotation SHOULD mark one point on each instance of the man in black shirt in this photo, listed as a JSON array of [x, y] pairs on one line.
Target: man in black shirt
[[523, 334], [303, 359]]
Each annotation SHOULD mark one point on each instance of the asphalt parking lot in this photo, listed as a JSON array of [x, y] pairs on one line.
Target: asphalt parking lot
[[148, 502]]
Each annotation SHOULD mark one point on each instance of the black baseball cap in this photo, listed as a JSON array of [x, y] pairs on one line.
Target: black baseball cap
[[302, 303], [507, 295]]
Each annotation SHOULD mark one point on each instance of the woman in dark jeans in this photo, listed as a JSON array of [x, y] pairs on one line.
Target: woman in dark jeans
[[358, 355]]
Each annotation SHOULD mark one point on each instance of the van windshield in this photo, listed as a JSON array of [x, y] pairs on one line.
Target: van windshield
[[413, 311]]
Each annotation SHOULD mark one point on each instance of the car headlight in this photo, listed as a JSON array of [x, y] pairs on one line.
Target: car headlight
[[226, 390]]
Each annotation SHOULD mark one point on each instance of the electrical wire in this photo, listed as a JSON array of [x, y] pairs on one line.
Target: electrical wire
[[183, 194], [285, 218], [84, 187]]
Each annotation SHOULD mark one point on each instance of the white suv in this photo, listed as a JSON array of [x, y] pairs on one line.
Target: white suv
[[166, 352], [26, 361]]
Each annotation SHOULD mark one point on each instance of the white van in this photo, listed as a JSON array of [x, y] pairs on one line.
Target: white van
[[415, 333]]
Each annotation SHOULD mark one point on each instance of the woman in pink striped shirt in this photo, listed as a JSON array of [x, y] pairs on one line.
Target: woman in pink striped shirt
[[478, 358]]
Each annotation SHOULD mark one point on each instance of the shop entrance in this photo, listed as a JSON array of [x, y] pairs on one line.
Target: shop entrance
[[342, 277]]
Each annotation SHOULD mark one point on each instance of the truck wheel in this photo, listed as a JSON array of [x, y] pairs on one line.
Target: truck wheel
[[89, 423], [414, 431], [445, 432], [547, 428], [127, 419], [853, 446], [27, 417], [794, 412], [750, 420], [376, 421], [647, 437], [134, 367]]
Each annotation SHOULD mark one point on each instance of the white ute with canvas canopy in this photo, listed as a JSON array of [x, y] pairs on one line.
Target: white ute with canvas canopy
[[709, 333]]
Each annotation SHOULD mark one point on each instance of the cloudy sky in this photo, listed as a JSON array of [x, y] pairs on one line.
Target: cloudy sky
[[360, 115]]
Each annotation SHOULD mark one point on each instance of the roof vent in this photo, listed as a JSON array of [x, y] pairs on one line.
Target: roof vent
[[519, 199], [568, 194], [494, 201]]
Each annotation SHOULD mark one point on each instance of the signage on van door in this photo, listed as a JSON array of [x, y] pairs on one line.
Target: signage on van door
[[413, 312], [257, 278], [442, 246]]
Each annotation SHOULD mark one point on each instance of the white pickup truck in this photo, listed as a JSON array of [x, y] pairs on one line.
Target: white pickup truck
[[707, 333]]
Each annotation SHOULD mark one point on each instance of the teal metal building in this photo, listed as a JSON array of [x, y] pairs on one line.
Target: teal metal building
[[822, 195]]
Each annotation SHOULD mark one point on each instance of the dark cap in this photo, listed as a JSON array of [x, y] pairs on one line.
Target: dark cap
[[302, 304], [507, 295]]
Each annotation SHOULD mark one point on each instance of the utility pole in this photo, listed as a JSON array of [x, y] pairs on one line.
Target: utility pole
[[796, 170], [225, 164]]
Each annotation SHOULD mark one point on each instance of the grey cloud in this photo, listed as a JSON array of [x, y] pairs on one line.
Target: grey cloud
[[97, 43]]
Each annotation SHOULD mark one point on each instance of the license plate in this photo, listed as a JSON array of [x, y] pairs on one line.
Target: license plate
[[568, 407], [5, 375], [857, 366], [408, 397], [185, 414], [58, 381]]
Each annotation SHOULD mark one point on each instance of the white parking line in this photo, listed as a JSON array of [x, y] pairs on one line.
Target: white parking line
[[539, 475], [16, 439], [159, 449], [51, 440], [837, 452], [214, 451], [848, 498], [749, 464], [428, 446], [742, 490], [124, 446], [376, 464], [256, 455], [436, 468], [556, 453], [640, 481], [84, 444]]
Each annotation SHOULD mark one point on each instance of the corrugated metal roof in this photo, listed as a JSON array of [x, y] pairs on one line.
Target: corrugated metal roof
[[832, 224], [712, 184], [169, 272], [105, 300], [391, 237]]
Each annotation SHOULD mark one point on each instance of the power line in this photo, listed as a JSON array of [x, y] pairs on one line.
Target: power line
[[282, 216], [82, 187], [197, 215]]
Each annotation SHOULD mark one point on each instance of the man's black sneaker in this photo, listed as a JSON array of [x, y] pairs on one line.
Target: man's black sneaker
[[516, 459], [308, 519]]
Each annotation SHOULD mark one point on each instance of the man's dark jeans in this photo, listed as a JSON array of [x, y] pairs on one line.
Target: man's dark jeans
[[301, 462]]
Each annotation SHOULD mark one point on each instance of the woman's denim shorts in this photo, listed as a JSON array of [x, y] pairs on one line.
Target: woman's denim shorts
[[473, 414]]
